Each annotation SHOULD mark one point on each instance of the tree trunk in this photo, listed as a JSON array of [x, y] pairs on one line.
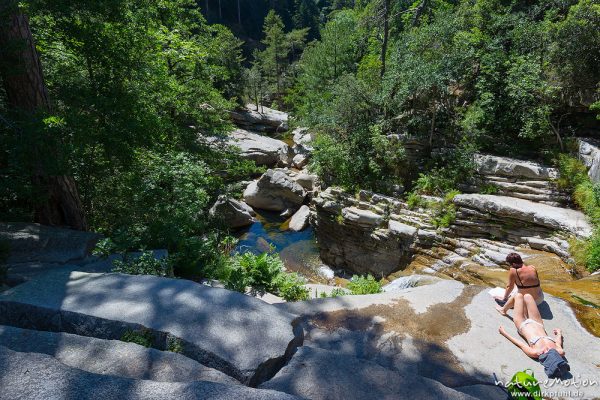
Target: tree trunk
[[27, 95], [220, 12], [239, 12]]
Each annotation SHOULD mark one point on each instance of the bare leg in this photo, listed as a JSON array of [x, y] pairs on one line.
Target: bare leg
[[520, 313], [531, 308], [507, 306]]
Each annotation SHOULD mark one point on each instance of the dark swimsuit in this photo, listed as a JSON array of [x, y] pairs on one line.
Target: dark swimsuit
[[521, 286]]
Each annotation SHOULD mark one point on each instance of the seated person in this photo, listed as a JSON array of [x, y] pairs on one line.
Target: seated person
[[526, 279], [539, 345]]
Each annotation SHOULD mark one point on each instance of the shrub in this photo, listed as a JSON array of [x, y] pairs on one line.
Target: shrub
[[175, 345], [290, 286], [337, 292], [262, 273], [143, 337], [414, 200], [146, 264], [364, 285]]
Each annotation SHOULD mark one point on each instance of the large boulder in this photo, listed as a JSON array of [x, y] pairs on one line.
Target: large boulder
[[234, 213], [303, 139], [39, 243], [34, 376], [320, 374], [110, 357], [264, 119], [589, 154], [220, 329], [263, 150], [299, 220], [275, 191], [528, 212], [510, 167]]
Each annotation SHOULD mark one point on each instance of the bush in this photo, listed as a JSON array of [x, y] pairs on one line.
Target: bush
[[444, 212], [414, 200], [146, 264], [364, 285], [175, 345], [143, 338], [290, 286], [337, 292], [262, 273]]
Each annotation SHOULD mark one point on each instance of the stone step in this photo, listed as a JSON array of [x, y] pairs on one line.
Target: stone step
[[110, 357], [236, 334], [35, 376]]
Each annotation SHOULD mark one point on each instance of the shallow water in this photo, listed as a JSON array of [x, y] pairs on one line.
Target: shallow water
[[298, 250]]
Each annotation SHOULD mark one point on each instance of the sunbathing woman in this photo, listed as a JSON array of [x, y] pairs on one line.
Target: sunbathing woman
[[526, 279], [539, 345]]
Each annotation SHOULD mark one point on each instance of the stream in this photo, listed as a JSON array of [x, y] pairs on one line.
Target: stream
[[300, 253], [298, 250]]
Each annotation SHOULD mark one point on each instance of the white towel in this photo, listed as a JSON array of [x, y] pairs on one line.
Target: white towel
[[497, 292]]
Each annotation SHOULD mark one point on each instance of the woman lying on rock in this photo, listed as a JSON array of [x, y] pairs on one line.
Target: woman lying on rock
[[526, 279], [539, 345]]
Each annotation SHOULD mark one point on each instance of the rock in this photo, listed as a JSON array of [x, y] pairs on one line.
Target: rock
[[263, 150], [265, 119], [39, 243], [300, 161], [549, 217], [110, 357], [361, 217], [215, 326], [589, 154], [307, 181], [303, 137], [318, 374], [445, 331], [509, 167], [300, 220], [234, 213], [274, 191], [35, 376], [402, 230], [326, 272]]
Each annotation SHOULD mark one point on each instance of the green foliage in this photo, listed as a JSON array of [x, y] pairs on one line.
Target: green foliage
[[337, 292], [364, 285], [143, 338], [489, 188], [145, 264], [414, 200], [290, 286], [262, 273], [175, 345]]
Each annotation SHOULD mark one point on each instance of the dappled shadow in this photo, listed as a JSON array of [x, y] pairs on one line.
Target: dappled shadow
[[231, 332]]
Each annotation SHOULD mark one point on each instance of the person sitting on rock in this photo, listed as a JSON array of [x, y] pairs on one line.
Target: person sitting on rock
[[548, 350], [525, 278]]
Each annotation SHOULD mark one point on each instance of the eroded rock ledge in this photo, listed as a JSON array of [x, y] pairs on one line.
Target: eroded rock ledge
[[376, 234]]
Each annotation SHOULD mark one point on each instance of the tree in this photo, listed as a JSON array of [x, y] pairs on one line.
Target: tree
[[274, 57], [27, 96]]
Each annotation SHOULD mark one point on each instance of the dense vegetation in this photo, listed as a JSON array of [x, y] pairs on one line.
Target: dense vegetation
[[130, 86]]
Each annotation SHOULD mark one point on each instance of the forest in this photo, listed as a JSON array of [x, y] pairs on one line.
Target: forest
[[102, 103]]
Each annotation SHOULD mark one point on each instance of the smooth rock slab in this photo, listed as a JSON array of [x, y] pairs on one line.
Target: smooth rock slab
[[510, 167], [110, 357], [39, 243], [263, 150], [236, 334], [553, 218], [32, 376], [299, 220], [322, 374]]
